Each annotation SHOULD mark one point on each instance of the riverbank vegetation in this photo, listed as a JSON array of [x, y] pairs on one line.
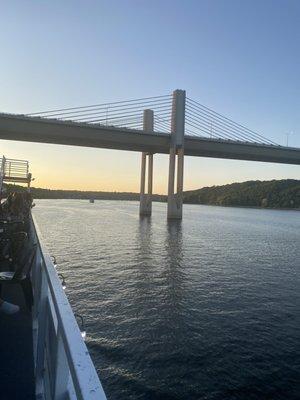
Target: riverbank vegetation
[[267, 194]]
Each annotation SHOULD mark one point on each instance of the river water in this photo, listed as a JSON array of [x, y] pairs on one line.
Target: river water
[[207, 308]]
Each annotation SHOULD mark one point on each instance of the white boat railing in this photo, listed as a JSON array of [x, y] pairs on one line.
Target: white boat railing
[[63, 366], [14, 169]]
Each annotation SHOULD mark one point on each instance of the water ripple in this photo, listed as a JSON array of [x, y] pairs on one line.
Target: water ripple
[[203, 309]]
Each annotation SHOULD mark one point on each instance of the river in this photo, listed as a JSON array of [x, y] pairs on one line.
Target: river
[[207, 308]]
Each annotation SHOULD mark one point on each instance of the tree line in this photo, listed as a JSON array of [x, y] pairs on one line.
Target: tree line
[[269, 194]]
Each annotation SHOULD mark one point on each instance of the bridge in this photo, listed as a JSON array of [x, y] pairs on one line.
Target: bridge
[[172, 124]]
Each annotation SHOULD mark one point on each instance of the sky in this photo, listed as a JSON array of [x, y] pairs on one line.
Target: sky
[[240, 58]]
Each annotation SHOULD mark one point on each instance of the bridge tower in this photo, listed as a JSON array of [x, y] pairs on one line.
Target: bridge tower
[[176, 154], [146, 198]]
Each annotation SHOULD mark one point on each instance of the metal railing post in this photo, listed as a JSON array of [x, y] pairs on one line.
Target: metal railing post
[[62, 373], [2, 174], [36, 288], [41, 335]]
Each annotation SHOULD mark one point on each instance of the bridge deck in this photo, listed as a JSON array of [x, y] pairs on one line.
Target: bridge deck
[[35, 129]]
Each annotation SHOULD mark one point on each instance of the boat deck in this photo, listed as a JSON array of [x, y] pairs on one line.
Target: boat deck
[[16, 350]]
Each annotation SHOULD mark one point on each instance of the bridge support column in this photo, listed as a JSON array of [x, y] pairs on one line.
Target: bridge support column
[[146, 198], [176, 154]]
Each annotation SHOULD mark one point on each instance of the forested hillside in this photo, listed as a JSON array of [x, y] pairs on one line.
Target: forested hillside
[[40, 193], [271, 194]]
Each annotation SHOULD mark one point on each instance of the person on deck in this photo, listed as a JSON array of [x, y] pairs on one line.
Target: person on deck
[[8, 308]]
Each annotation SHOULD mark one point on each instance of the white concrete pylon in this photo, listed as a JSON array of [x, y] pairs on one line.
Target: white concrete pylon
[[176, 153], [146, 198]]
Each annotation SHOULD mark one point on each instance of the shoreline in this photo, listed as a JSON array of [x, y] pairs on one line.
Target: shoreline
[[157, 201]]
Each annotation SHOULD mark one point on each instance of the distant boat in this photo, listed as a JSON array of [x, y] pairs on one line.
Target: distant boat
[[92, 201]]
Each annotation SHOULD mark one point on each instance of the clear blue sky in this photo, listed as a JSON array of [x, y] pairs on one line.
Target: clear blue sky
[[239, 57]]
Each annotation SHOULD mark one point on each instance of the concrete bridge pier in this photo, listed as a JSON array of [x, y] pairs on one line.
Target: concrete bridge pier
[[176, 157], [176, 162], [146, 198]]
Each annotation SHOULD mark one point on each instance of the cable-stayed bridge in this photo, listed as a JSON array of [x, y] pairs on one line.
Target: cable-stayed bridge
[[172, 124]]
